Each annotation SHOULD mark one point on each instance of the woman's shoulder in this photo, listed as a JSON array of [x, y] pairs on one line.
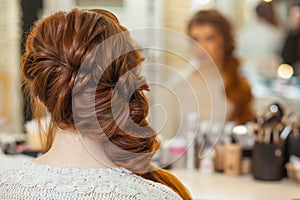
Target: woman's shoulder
[[103, 181], [154, 190], [10, 175]]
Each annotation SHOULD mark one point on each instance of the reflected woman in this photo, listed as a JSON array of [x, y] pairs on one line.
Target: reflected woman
[[214, 33]]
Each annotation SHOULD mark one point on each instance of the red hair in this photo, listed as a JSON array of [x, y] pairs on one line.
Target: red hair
[[56, 49]]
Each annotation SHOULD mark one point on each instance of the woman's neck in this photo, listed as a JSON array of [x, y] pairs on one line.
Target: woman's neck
[[70, 149]]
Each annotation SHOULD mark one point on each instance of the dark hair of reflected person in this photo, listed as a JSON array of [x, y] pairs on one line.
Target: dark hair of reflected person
[[55, 50], [265, 11], [237, 89]]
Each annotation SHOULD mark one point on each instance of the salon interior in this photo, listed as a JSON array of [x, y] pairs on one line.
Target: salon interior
[[224, 89]]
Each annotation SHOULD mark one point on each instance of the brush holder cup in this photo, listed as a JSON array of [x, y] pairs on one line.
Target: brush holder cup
[[268, 161]]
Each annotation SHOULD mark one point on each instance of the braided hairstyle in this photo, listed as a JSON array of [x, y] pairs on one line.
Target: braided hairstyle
[[77, 84]]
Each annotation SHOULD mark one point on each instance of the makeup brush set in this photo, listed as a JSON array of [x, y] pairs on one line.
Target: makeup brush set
[[276, 135]]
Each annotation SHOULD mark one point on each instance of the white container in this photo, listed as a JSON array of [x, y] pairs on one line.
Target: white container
[[207, 163], [192, 129], [177, 152]]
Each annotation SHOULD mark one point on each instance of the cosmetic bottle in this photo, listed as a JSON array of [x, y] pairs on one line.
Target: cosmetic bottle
[[192, 142], [177, 152], [232, 157], [207, 163], [246, 162], [219, 157]]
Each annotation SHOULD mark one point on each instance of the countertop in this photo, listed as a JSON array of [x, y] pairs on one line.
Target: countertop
[[218, 186]]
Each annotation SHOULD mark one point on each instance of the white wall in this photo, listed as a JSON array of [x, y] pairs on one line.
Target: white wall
[[51, 6], [10, 38]]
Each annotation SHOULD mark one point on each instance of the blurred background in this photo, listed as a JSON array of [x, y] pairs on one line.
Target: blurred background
[[267, 47], [260, 62]]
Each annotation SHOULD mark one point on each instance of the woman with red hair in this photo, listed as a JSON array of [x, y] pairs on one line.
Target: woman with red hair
[[81, 67], [213, 32]]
